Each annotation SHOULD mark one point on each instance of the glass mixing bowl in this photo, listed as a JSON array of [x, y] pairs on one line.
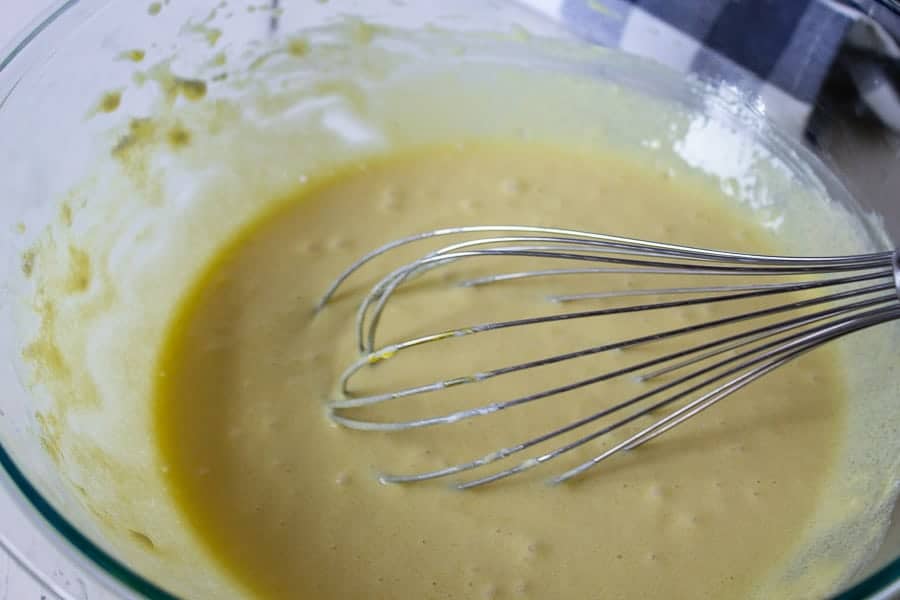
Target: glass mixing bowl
[[73, 59]]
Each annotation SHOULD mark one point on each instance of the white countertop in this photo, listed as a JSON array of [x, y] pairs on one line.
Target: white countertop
[[15, 14]]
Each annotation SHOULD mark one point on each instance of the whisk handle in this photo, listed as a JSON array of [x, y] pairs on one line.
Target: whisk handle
[[896, 265]]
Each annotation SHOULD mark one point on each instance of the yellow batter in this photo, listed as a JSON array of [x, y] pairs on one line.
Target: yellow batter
[[290, 503]]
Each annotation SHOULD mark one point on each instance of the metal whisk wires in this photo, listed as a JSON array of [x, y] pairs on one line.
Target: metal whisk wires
[[850, 293]]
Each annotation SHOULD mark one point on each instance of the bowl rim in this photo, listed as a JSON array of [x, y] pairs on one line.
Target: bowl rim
[[102, 566], [105, 569]]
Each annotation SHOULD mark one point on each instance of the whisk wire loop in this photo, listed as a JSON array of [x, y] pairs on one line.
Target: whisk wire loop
[[849, 294]]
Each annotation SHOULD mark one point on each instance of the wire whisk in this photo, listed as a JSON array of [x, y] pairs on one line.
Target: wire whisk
[[838, 295]]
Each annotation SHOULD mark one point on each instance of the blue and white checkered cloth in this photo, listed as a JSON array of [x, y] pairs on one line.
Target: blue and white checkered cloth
[[779, 50]]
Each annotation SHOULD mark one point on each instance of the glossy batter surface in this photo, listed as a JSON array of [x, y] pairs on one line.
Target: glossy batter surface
[[290, 503]]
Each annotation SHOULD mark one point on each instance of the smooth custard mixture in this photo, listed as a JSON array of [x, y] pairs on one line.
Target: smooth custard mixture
[[291, 504]]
